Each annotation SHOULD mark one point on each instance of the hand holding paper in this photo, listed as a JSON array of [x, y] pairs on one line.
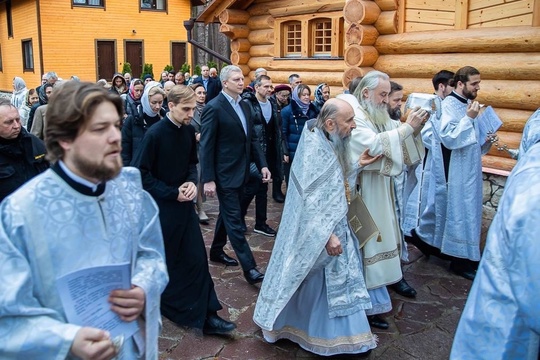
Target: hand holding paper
[[128, 304]]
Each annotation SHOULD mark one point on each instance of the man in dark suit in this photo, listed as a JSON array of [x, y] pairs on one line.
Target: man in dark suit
[[211, 85], [228, 145]]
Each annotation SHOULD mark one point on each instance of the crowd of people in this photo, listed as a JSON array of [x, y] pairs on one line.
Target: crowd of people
[[120, 172]]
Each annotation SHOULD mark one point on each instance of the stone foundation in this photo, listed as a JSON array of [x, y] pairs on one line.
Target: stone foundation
[[493, 187]]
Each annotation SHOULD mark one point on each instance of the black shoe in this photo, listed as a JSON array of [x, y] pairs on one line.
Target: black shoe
[[378, 322], [279, 198], [265, 230], [214, 325], [224, 259], [403, 289], [418, 243], [465, 272], [253, 276]]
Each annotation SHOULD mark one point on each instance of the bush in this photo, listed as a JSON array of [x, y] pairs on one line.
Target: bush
[[148, 69], [212, 64], [168, 68], [197, 70], [185, 68], [126, 68]]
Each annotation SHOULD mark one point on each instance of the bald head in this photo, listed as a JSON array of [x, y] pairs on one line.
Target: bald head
[[168, 86], [336, 116]]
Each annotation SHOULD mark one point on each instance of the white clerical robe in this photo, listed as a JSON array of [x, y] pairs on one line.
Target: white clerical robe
[[396, 142], [47, 230], [501, 320], [457, 197]]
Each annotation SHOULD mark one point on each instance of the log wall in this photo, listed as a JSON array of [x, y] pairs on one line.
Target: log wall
[[410, 40], [434, 15]]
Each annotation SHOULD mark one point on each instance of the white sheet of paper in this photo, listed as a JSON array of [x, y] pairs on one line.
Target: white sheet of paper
[[85, 294], [488, 122]]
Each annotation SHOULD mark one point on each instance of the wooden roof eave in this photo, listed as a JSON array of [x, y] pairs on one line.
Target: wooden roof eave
[[216, 7], [213, 10]]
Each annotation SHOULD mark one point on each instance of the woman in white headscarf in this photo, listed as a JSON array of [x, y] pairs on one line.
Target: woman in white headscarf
[[148, 113], [18, 99]]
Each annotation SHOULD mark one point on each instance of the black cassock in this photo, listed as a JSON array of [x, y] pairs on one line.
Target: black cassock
[[167, 158]]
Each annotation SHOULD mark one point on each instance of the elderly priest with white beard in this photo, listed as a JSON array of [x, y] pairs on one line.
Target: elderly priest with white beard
[[399, 145]]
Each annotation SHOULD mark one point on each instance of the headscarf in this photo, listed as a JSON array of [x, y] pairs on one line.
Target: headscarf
[[145, 101], [132, 89], [120, 90], [319, 100], [43, 98], [19, 92], [27, 98], [296, 98], [531, 133]]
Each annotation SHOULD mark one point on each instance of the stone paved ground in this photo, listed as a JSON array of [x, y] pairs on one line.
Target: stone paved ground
[[420, 328]]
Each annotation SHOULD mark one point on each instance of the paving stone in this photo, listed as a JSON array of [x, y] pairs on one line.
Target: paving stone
[[166, 346], [423, 313], [237, 293], [392, 352], [244, 322], [430, 344], [439, 291], [195, 346], [420, 328], [248, 349], [457, 285], [171, 331], [449, 322]]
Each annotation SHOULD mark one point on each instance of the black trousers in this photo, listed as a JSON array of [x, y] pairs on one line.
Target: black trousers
[[229, 223], [255, 188]]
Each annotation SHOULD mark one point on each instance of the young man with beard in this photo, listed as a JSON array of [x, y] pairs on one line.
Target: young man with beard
[[382, 136], [455, 234], [167, 159], [395, 100], [86, 211], [314, 292]]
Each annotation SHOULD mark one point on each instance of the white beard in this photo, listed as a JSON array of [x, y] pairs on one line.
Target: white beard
[[378, 114]]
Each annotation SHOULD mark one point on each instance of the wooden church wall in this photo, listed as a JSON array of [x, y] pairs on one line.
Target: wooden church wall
[[410, 40], [501, 38]]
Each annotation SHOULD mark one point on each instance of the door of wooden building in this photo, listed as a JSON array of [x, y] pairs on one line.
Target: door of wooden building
[[178, 55], [134, 56], [106, 59]]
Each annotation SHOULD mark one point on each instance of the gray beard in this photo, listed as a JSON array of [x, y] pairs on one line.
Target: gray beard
[[341, 147], [378, 114]]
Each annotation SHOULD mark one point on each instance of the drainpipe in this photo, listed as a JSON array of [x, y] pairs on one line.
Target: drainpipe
[[40, 40], [188, 24]]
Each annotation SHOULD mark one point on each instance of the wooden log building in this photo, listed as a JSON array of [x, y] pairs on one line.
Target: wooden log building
[[334, 41]]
